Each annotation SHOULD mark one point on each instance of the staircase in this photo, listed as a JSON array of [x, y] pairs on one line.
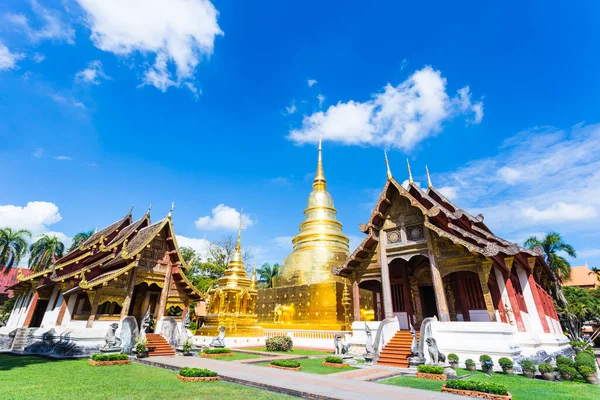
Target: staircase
[[397, 351], [158, 346], [21, 339]]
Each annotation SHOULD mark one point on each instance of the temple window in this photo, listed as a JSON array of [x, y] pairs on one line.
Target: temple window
[[82, 304], [109, 308]]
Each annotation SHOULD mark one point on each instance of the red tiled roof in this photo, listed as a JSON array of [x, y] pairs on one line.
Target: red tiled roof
[[9, 279], [582, 276]]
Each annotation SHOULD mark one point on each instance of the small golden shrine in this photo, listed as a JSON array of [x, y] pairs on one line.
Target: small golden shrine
[[233, 303], [306, 295]]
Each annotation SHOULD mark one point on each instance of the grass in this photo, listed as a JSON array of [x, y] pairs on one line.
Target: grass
[[30, 377], [295, 351], [314, 366], [239, 356], [519, 386]]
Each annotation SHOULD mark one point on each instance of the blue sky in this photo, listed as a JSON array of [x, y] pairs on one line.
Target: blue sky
[[218, 107]]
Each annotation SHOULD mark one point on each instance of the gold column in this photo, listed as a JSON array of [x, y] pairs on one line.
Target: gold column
[[436, 279], [484, 274], [386, 288]]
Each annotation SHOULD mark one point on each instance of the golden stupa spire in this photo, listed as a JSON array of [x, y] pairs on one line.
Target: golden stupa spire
[[319, 182], [387, 164], [410, 178], [238, 246], [429, 184]]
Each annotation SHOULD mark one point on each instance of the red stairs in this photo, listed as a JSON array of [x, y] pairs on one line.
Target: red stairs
[[397, 351], [158, 346]]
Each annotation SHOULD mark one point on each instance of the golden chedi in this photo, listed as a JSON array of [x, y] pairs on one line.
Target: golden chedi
[[306, 295], [232, 303]]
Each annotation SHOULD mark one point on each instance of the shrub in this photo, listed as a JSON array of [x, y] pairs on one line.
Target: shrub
[[279, 343], [586, 371], [140, 345], [286, 363], [485, 358], [567, 370], [196, 372], [109, 357], [223, 350], [469, 363], [187, 345], [430, 369], [584, 359], [334, 360], [566, 361], [452, 357], [579, 344], [506, 363], [478, 386], [193, 326], [528, 365], [545, 368]]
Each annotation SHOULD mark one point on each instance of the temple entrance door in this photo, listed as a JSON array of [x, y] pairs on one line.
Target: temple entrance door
[[428, 301], [38, 314]]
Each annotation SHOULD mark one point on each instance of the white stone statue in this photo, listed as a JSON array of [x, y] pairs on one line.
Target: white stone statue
[[219, 340]]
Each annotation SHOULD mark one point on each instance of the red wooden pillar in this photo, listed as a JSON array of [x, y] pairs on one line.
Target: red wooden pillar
[[538, 301], [512, 296], [32, 307]]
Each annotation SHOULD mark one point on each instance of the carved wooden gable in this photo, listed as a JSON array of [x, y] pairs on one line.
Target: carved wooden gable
[[154, 257], [403, 223]]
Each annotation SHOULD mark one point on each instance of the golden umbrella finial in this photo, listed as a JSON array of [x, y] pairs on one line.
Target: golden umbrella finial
[[410, 178], [387, 164], [429, 184], [319, 182], [238, 246]]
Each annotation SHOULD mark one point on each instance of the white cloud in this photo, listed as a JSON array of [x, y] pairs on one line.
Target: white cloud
[[280, 181], [321, 99], [311, 82], [223, 217], [201, 246], [176, 31], [509, 175], [50, 25], [283, 242], [451, 192], [291, 109], [8, 60], [63, 158], [37, 57], [92, 74], [68, 101], [39, 153], [560, 211], [36, 216], [398, 117], [403, 64]]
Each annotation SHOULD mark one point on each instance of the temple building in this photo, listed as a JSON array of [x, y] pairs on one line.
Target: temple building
[[423, 256], [123, 270], [306, 295], [232, 304]]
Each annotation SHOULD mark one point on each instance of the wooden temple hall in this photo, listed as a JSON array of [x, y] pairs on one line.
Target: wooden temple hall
[[121, 270], [424, 256]]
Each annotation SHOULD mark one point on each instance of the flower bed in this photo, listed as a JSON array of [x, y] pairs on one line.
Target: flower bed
[[98, 360], [481, 390], [431, 372], [214, 353], [334, 362], [291, 365], [197, 375]]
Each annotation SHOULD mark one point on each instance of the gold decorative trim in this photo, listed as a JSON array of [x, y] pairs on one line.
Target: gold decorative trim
[[107, 277], [508, 262]]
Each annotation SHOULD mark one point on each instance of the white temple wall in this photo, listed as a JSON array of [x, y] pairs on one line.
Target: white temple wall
[[24, 309], [14, 315], [51, 311], [69, 311], [534, 318]]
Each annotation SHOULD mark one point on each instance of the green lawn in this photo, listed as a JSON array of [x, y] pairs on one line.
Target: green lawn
[[520, 387], [295, 351], [239, 356], [30, 377], [314, 367]]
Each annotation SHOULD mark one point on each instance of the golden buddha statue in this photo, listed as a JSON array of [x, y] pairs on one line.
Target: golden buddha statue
[[232, 303]]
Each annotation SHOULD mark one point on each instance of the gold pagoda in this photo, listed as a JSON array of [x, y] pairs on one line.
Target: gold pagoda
[[232, 303], [306, 295]]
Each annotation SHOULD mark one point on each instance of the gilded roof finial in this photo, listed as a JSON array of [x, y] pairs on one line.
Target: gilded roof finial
[[149, 208], [171, 210], [20, 275], [253, 278], [429, 184], [131, 209], [319, 182], [387, 164], [410, 178], [83, 281]]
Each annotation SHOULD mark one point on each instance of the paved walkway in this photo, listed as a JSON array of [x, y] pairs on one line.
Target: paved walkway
[[300, 384]]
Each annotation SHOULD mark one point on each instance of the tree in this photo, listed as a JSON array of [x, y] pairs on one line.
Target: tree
[[43, 251], [266, 274], [221, 251], [80, 238], [582, 305], [13, 247], [552, 244]]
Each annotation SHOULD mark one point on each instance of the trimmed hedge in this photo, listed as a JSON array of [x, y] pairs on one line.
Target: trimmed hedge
[[334, 360], [545, 368], [286, 363], [584, 359], [506, 363], [562, 360], [216, 351], [567, 370], [109, 357], [469, 363], [528, 365], [430, 369], [279, 343], [485, 387], [484, 357], [586, 371], [452, 357], [196, 372]]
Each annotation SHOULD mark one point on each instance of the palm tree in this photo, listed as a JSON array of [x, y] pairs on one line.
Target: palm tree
[[267, 273], [79, 238], [552, 244], [43, 251], [13, 247]]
